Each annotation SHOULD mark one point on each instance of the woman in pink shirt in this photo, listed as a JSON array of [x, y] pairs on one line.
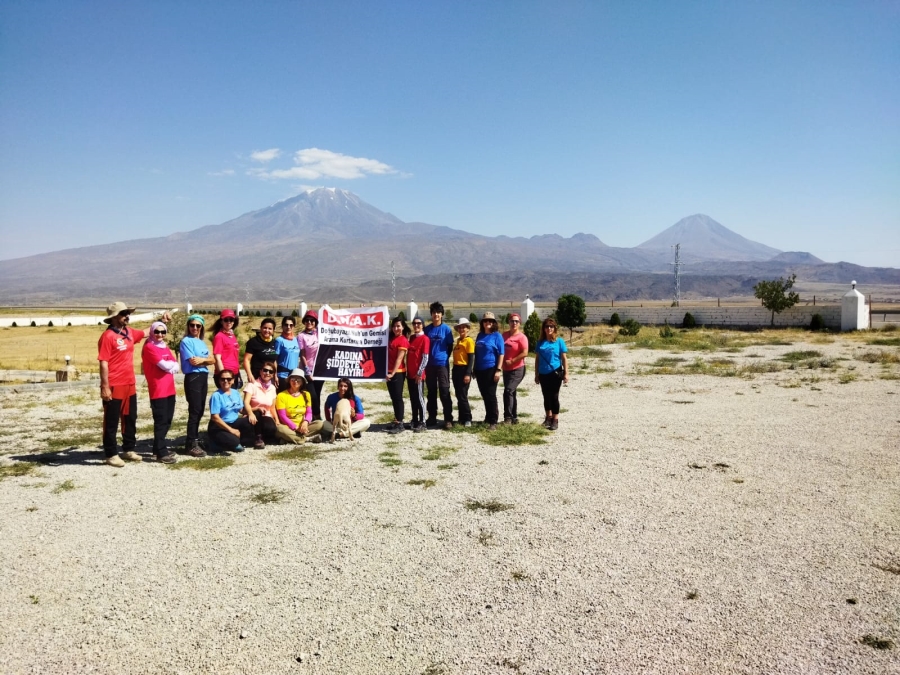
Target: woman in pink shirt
[[160, 367], [516, 347], [308, 339], [226, 348]]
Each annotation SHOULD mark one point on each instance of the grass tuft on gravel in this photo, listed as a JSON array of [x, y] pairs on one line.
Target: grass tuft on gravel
[[438, 452], [203, 464], [525, 433], [389, 458], [65, 486], [17, 470], [491, 506], [267, 495], [298, 452], [424, 482]]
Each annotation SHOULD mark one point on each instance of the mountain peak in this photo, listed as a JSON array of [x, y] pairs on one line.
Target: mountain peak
[[702, 237]]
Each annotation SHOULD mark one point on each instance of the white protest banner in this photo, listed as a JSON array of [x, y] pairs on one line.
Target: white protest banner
[[353, 343]]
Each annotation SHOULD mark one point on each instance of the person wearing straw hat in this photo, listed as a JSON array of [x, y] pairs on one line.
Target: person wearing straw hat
[[118, 390], [463, 365], [489, 350]]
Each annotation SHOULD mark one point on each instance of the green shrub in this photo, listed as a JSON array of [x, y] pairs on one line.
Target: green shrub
[[295, 313], [278, 313], [570, 312], [402, 315], [532, 330], [614, 320], [689, 321], [268, 312], [15, 325], [817, 322], [50, 324], [630, 327], [448, 315], [33, 324], [666, 333], [473, 317]]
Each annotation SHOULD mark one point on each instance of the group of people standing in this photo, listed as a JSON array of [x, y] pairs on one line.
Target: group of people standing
[[281, 401], [429, 358]]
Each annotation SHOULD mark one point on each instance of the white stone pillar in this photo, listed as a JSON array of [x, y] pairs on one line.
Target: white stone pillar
[[412, 309], [854, 310], [303, 308], [526, 309]]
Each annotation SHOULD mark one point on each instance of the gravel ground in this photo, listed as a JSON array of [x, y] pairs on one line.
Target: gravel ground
[[680, 523]]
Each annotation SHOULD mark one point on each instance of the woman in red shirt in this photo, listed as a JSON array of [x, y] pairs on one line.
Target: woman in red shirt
[[398, 346], [516, 350], [416, 360]]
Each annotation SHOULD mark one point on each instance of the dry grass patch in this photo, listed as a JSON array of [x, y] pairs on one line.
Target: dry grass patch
[[295, 453], [267, 495], [65, 486], [389, 458], [438, 452], [491, 506], [424, 482], [17, 470], [203, 464]]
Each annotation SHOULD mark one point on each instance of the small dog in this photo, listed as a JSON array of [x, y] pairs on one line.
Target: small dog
[[341, 421]]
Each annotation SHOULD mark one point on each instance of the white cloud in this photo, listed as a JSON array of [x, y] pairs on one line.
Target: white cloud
[[315, 163], [223, 172], [264, 156]]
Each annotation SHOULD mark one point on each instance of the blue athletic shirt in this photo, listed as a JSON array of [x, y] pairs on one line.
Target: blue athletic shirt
[[191, 346], [227, 406], [441, 343], [489, 347], [549, 355], [287, 355]]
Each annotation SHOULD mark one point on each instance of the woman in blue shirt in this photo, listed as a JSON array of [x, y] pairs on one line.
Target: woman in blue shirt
[[551, 369], [489, 349], [287, 352], [227, 416], [195, 358]]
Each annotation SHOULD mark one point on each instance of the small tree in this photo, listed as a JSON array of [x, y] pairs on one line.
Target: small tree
[[401, 315], [615, 319], [630, 327], [295, 313], [448, 315], [570, 312], [532, 330], [777, 295], [817, 322], [689, 321], [473, 317]]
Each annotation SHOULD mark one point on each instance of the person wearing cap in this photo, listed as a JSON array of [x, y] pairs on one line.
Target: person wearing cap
[[489, 350], [159, 365], [195, 362], [118, 388], [294, 409], [463, 365], [287, 351], [515, 345], [226, 348], [437, 373], [308, 339]]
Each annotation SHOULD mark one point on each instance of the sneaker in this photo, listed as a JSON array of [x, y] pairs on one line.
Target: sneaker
[[238, 448], [515, 420], [431, 422], [507, 420], [448, 425], [492, 427], [167, 459], [395, 429], [467, 425], [554, 424], [547, 421], [194, 449], [132, 456], [260, 444], [419, 428], [115, 461]]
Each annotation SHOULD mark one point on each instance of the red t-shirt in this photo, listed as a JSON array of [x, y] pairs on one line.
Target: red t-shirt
[[419, 347], [228, 348], [117, 348], [513, 346], [160, 384], [394, 347]]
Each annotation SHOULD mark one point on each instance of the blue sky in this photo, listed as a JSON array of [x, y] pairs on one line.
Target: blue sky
[[781, 120]]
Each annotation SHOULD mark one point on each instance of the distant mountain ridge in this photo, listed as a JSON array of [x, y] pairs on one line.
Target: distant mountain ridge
[[331, 237]]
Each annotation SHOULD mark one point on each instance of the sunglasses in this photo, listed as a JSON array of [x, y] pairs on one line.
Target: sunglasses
[[193, 325], [309, 321], [418, 323], [227, 318], [551, 327], [160, 332], [226, 379], [267, 370], [514, 321], [288, 325]]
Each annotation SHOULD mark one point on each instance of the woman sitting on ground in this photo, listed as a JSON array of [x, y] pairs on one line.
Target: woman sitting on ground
[[259, 401], [294, 422], [358, 423], [228, 424]]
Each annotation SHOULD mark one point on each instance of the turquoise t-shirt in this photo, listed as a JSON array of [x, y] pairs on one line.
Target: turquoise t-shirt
[[549, 355]]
